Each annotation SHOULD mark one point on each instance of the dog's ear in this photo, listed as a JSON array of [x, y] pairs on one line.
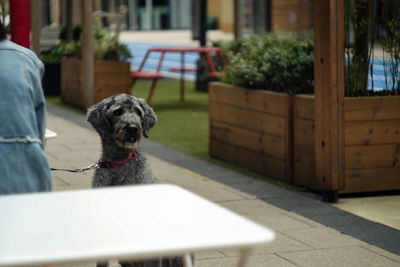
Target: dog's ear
[[96, 116], [149, 117]]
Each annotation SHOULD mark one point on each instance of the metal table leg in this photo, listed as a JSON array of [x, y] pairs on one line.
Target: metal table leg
[[187, 260], [244, 257]]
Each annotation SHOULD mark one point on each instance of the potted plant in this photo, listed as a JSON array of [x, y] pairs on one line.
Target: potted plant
[[371, 117], [111, 70], [52, 63], [52, 54], [251, 110]]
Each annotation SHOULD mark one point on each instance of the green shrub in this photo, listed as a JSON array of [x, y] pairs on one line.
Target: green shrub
[[69, 49], [105, 45], [271, 62]]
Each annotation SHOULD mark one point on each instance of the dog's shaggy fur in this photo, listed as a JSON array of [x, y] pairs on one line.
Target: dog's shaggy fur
[[121, 121]]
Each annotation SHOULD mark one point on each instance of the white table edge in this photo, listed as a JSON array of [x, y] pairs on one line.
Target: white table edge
[[110, 255]]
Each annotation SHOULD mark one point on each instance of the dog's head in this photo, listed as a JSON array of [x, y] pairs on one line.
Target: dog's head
[[123, 118]]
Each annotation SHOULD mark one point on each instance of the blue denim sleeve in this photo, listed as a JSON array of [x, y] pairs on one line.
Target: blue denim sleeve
[[40, 106]]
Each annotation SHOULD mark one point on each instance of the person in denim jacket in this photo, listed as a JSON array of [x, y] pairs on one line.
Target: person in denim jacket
[[23, 164]]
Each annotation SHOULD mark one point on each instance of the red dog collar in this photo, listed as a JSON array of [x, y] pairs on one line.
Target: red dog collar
[[111, 164]]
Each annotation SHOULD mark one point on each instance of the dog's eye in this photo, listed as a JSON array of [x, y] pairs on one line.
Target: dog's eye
[[118, 112], [139, 112]]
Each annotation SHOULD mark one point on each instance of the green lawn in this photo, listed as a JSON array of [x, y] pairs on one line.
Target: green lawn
[[181, 125]]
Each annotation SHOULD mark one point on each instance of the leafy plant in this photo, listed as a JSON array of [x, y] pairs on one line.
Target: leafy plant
[[360, 15], [282, 63], [391, 43], [106, 46], [69, 49], [361, 22]]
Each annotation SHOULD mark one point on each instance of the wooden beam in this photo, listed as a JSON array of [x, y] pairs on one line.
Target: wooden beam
[[36, 25], [329, 94], [87, 53]]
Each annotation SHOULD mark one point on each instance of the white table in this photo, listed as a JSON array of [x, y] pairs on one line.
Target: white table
[[49, 135], [129, 222]]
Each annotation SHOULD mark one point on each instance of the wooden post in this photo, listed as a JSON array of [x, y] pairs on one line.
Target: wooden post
[[36, 25], [329, 96], [87, 53]]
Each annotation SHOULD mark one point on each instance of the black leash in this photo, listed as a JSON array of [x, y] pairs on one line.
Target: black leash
[[90, 167], [100, 164]]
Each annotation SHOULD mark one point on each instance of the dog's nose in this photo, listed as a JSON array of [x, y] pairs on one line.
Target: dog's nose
[[132, 129]]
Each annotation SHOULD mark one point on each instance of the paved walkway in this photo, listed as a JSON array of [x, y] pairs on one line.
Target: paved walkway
[[308, 231]]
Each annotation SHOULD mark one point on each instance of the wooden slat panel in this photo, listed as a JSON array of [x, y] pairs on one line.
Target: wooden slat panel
[[367, 103], [304, 131], [304, 154], [304, 151], [374, 156], [372, 108], [372, 132], [255, 141], [71, 84], [291, 15], [366, 180], [271, 167], [305, 176], [304, 106], [111, 67], [115, 80], [260, 100], [252, 120], [283, 4], [388, 113], [111, 77]]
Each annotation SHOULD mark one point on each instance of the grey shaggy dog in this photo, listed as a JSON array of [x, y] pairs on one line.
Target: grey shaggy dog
[[121, 121]]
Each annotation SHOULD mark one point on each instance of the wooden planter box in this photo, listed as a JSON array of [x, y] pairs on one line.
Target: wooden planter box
[[110, 77], [252, 128], [372, 143]]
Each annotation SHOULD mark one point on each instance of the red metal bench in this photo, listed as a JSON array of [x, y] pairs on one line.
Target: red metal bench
[[155, 75], [145, 75], [184, 69]]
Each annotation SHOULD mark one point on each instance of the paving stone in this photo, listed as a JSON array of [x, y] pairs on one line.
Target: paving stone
[[213, 254], [322, 237], [89, 264], [249, 207], [254, 261], [379, 209], [338, 257], [279, 222], [206, 189], [382, 252], [59, 184], [264, 190], [303, 219], [282, 243], [203, 186]]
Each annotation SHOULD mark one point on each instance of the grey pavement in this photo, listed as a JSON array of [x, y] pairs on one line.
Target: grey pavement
[[308, 231]]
